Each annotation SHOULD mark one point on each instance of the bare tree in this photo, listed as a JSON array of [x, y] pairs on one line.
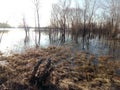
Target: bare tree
[[37, 18], [74, 18], [111, 8], [89, 12], [60, 16], [90, 18], [115, 15], [26, 28]]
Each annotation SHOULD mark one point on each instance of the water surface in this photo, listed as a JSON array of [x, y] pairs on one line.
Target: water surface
[[15, 41]]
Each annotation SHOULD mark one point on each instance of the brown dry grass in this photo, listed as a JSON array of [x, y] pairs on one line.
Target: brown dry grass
[[73, 71]]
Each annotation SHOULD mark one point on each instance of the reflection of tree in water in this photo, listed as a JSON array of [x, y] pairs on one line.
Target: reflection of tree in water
[[54, 36], [37, 23], [37, 37], [26, 29], [26, 40], [114, 49], [1, 35]]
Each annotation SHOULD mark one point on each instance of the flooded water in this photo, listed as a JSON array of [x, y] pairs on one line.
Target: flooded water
[[15, 41]]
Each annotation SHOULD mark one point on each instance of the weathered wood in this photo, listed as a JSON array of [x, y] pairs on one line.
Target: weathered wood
[[41, 78], [36, 67]]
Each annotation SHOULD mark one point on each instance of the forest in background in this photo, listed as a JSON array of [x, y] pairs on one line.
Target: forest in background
[[4, 25], [101, 17]]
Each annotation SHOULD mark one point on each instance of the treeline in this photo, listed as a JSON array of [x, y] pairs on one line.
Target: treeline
[[84, 17], [4, 25]]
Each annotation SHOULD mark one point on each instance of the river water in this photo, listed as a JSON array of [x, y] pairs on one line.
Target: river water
[[15, 41]]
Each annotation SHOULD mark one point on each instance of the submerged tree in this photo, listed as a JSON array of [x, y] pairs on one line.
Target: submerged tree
[[115, 16], [87, 18], [74, 18], [37, 19], [111, 10], [59, 16], [26, 28], [1, 35]]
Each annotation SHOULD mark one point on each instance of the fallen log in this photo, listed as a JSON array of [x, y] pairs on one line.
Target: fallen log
[[39, 79]]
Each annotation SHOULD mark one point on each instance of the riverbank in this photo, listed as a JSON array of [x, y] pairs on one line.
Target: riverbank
[[72, 71]]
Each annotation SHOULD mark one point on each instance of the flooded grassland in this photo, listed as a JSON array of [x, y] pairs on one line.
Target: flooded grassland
[[71, 71]]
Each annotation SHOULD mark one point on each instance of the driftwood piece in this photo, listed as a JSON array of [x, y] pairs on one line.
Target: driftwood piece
[[40, 79], [36, 67]]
